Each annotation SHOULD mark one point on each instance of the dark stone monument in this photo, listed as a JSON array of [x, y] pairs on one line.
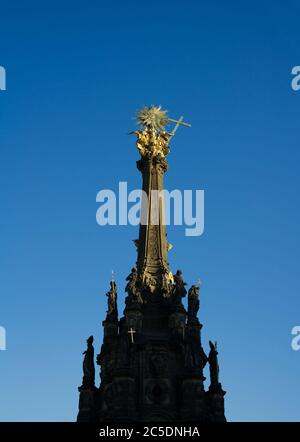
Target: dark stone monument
[[152, 359]]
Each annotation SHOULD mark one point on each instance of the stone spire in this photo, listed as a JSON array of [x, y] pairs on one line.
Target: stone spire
[[152, 359], [152, 261], [153, 146]]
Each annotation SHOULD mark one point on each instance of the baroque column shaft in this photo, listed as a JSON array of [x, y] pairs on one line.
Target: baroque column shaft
[[152, 245]]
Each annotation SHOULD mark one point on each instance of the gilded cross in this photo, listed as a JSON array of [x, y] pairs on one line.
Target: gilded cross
[[131, 332], [178, 123]]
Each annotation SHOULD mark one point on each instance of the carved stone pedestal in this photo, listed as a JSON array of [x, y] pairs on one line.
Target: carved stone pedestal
[[87, 402]]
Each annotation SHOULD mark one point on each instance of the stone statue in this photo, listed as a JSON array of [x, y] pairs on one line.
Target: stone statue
[[88, 365], [149, 283], [193, 304], [132, 288], [167, 283], [131, 278], [179, 282], [112, 300], [179, 290], [213, 364]]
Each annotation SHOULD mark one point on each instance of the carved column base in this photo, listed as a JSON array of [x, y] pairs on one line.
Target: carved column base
[[215, 401], [87, 399]]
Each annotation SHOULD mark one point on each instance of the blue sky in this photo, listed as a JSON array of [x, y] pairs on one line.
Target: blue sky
[[76, 74]]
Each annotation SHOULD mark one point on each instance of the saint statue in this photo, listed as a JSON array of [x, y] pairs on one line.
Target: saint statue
[[193, 304], [88, 365], [112, 311], [179, 290], [132, 288], [213, 364]]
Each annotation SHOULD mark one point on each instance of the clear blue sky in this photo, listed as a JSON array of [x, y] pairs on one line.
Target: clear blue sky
[[76, 74]]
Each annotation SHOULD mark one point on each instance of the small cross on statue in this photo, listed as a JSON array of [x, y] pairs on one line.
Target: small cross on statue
[[178, 123], [131, 332]]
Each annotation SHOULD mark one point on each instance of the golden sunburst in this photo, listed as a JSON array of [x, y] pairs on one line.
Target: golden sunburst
[[152, 118]]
